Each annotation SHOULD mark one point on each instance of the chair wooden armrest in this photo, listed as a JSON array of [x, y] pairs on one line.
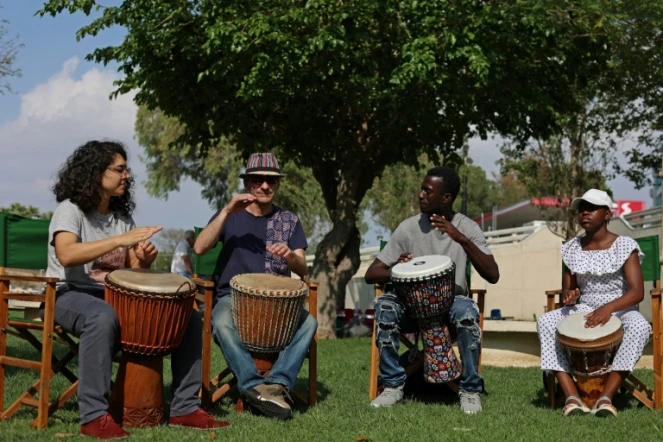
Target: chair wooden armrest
[[203, 282], [28, 278], [550, 299]]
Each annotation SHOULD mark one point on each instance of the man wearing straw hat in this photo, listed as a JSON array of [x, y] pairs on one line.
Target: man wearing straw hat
[[258, 237]]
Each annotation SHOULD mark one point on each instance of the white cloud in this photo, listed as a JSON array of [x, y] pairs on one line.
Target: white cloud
[[57, 116]]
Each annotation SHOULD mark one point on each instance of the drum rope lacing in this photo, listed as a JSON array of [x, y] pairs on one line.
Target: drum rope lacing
[[153, 295]]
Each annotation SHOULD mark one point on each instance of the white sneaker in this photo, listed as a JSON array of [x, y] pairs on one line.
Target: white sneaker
[[470, 403], [389, 397]]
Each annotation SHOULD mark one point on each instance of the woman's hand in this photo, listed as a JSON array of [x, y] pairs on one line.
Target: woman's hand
[[137, 235], [600, 316], [146, 252]]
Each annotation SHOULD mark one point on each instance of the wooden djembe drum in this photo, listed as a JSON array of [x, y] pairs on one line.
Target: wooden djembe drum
[[266, 311], [590, 352], [153, 309]]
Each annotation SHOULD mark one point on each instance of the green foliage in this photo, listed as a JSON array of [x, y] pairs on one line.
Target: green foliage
[[350, 87], [545, 169], [481, 192], [560, 169], [324, 74], [168, 159], [510, 189], [9, 47], [26, 211], [621, 100]]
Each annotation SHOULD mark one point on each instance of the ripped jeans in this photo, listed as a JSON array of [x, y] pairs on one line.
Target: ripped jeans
[[391, 319]]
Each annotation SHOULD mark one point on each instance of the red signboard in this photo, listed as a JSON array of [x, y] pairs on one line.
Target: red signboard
[[624, 207]]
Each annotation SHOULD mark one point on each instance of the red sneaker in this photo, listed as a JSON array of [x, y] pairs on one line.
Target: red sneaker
[[198, 420], [103, 427]]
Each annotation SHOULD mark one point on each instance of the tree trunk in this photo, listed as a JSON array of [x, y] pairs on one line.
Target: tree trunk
[[337, 257], [336, 261], [577, 145]]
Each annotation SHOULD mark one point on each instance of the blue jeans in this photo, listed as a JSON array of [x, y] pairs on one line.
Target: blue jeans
[[239, 359], [185, 274], [391, 319]]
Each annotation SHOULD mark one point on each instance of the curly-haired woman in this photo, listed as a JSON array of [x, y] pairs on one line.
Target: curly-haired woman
[[92, 233]]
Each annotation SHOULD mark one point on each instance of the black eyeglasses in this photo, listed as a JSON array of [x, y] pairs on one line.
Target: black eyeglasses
[[259, 179], [121, 170]]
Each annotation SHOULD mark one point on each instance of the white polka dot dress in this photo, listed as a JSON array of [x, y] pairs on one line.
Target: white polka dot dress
[[600, 277]]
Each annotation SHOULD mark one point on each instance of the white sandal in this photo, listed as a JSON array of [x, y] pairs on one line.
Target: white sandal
[[606, 409], [573, 409]]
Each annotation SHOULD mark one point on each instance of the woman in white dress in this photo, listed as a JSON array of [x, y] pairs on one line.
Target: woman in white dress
[[602, 277]]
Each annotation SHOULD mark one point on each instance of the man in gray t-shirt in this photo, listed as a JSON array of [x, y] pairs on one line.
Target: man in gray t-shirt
[[437, 231]]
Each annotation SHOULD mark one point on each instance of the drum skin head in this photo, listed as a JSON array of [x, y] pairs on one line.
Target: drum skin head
[[421, 266], [573, 326], [265, 283], [146, 280], [572, 334]]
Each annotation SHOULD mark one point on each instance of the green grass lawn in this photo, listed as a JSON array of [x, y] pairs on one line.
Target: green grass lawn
[[514, 410]]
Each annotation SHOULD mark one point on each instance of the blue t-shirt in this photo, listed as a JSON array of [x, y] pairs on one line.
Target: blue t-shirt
[[245, 238]]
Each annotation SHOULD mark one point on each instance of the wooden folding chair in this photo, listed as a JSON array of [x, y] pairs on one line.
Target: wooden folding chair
[[24, 246], [651, 271], [374, 389], [215, 388]]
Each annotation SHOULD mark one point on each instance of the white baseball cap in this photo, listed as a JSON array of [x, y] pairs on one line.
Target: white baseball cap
[[594, 196]]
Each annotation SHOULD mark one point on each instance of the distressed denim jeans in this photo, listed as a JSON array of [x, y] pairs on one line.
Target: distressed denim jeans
[[391, 320]]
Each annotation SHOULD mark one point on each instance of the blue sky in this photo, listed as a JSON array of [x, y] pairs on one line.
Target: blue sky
[[62, 100]]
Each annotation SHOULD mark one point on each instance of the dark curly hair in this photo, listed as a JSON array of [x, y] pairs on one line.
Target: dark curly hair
[[450, 179], [80, 176]]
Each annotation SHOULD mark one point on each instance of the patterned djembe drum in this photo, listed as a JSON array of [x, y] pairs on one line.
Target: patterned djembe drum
[[590, 352], [426, 286], [153, 309]]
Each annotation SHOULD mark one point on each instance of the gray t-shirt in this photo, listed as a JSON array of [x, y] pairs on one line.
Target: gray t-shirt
[[93, 226], [416, 235]]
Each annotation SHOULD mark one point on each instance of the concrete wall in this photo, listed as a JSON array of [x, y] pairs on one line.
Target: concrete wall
[[527, 269]]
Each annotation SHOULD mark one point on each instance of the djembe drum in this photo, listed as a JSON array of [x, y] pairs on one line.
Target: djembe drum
[[590, 352], [266, 311], [426, 286], [153, 309]]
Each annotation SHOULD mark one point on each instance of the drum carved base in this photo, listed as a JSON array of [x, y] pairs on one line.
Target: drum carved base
[[137, 396], [440, 362], [591, 388]]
